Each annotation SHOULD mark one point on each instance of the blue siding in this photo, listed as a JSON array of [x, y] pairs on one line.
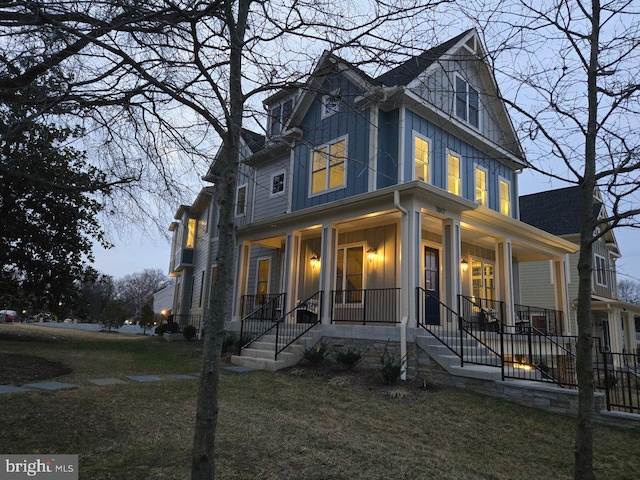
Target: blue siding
[[350, 122], [469, 156], [388, 123]]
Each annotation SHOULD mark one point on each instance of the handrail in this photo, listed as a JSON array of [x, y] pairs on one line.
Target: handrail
[[255, 324], [489, 323], [289, 332], [442, 330]]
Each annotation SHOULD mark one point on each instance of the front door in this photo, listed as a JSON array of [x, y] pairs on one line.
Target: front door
[[432, 286]]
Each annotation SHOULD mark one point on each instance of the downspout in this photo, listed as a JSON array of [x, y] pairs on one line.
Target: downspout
[[405, 314]]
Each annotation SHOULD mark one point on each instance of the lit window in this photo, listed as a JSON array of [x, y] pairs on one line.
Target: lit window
[[191, 233], [453, 174], [328, 167], [262, 283], [505, 198], [481, 186], [483, 281], [241, 200], [467, 102], [277, 183], [601, 271], [421, 147]]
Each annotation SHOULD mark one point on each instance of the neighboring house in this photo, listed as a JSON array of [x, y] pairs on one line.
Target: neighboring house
[[163, 300], [558, 212], [375, 203]]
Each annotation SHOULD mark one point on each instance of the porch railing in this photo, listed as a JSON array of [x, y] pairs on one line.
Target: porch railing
[[439, 320], [371, 306], [261, 312], [542, 319], [618, 376], [306, 315], [187, 319]]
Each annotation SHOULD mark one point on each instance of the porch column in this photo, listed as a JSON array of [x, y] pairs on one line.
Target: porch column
[[504, 260], [615, 329], [451, 281], [242, 278], [410, 262], [292, 258], [561, 291], [629, 325], [327, 269]]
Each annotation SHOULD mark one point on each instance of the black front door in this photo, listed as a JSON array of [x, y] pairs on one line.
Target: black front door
[[431, 286]]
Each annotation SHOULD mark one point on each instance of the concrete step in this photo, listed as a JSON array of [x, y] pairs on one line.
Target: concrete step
[[261, 363]]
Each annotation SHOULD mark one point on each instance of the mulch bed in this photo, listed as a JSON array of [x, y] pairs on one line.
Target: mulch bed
[[19, 369]]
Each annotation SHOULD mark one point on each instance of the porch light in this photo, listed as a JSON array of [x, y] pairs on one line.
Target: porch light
[[314, 260], [464, 265], [371, 251]]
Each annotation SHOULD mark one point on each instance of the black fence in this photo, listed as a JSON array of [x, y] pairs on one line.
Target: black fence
[[542, 319], [371, 306], [186, 319], [260, 314]]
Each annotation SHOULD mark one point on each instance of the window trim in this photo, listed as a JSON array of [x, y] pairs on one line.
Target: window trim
[[600, 271], [486, 185], [284, 183], [452, 153], [500, 180], [324, 111], [346, 156], [244, 206], [345, 247], [280, 117], [467, 101], [415, 135], [258, 260]]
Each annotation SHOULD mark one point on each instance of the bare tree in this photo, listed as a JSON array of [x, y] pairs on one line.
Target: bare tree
[[573, 82], [629, 291], [134, 290], [174, 76]]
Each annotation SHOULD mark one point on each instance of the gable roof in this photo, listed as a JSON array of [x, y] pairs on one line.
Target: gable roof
[[255, 142], [555, 211], [403, 74]]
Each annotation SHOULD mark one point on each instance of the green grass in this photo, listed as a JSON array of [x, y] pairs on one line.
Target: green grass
[[286, 426]]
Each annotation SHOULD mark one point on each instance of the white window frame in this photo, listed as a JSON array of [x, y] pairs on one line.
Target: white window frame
[[429, 156], [284, 183], [459, 157], [466, 118], [502, 179], [346, 247], [346, 156], [246, 196], [486, 184], [601, 270], [324, 100], [280, 115]]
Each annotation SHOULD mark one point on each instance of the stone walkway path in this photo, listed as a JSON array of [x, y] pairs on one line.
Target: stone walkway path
[[113, 381]]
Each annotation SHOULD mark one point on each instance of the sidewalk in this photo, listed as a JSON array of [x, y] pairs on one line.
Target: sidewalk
[[53, 385]]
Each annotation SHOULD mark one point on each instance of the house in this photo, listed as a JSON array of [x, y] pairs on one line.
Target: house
[[381, 208], [558, 212]]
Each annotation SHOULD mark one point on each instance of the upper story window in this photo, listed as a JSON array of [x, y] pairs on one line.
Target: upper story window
[[277, 183], [191, 233], [241, 200], [328, 167], [330, 104], [453, 173], [601, 270], [421, 158], [505, 197], [279, 115], [467, 102], [481, 186]]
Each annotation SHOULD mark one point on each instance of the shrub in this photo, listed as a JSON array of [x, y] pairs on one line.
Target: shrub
[[348, 357], [391, 367], [172, 327], [230, 339], [161, 329], [315, 355], [189, 332]]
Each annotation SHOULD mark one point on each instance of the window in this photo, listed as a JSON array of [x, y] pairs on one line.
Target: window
[[330, 104], [191, 233], [241, 200], [201, 289], [453, 174], [505, 197], [421, 155], [262, 281], [350, 274], [279, 115], [601, 271], [467, 102], [277, 184], [328, 167], [483, 280], [481, 186]]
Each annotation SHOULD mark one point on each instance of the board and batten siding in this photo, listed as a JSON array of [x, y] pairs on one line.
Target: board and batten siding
[[350, 122], [266, 204], [442, 142], [387, 165], [260, 253], [536, 289]]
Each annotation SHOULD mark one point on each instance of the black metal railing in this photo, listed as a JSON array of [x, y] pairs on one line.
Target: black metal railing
[[306, 315], [530, 354], [618, 376], [481, 320], [261, 312], [542, 319], [371, 306], [186, 319], [439, 320]]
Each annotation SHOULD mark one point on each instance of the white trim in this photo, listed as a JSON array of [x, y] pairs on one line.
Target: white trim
[[486, 183], [238, 188], [602, 271], [508, 182], [324, 112], [258, 260], [415, 134], [373, 148], [284, 183], [402, 117], [292, 159], [467, 102], [346, 156], [453, 153], [365, 269]]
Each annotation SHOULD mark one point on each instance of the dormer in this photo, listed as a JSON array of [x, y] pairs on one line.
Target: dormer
[[279, 108]]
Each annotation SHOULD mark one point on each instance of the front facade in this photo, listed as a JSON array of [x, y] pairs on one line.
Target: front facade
[[381, 202]]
